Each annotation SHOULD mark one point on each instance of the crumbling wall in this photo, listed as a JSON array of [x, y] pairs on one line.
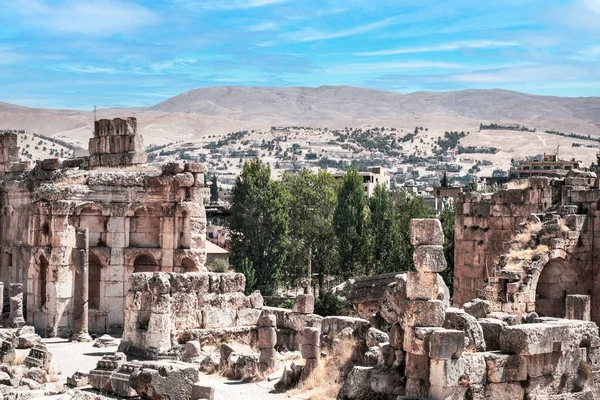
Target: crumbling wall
[[116, 143], [163, 309]]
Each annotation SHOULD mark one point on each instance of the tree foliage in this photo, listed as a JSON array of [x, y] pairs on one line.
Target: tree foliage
[[447, 219], [349, 223], [214, 189], [259, 224]]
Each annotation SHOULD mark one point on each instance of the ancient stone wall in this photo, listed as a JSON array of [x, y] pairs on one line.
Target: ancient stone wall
[[163, 309], [527, 249], [137, 220], [116, 143]]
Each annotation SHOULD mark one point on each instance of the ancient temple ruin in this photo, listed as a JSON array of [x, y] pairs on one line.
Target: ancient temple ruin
[[527, 249], [78, 231]]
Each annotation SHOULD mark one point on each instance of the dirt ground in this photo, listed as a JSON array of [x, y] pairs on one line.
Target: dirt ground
[[68, 357]]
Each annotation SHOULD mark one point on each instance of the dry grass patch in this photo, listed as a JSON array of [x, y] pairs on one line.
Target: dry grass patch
[[326, 380]]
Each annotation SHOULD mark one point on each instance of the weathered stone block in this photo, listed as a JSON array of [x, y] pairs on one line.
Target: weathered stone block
[[446, 344], [578, 307], [478, 308], [304, 304], [162, 380], [429, 259], [492, 328], [312, 336], [421, 285], [267, 337], [267, 320], [202, 392], [426, 232], [505, 367], [425, 313], [309, 351], [417, 366], [533, 338], [460, 320]]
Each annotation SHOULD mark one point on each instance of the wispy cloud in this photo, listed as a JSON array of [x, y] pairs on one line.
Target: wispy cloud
[[311, 35], [356, 68], [263, 26], [104, 18], [473, 44], [588, 53], [228, 4]]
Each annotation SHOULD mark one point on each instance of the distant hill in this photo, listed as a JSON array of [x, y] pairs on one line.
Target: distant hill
[[217, 110]]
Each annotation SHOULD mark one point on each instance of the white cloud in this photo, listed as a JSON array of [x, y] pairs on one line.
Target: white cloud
[[474, 44], [228, 4], [390, 66], [104, 18], [593, 5], [589, 53], [310, 35], [265, 26]]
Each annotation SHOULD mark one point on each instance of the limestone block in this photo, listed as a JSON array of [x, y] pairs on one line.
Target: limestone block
[[256, 300], [492, 328], [396, 336], [335, 324], [451, 372], [232, 282], [578, 307], [304, 304], [247, 316], [505, 367], [162, 380], [429, 258], [375, 337], [192, 349], [311, 336], [215, 317], [416, 339], [185, 179], [172, 168], [501, 391], [532, 339], [267, 320], [417, 366], [426, 232], [440, 392], [446, 344], [358, 384], [425, 313], [542, 364], [458, 319], [478, 308], [421, 285], [267, 337], [202, 392], [310, 351], [298, 322]]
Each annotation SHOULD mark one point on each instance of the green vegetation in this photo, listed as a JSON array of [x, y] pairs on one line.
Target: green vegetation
[[328, 304], [510, 127], [474, 150]]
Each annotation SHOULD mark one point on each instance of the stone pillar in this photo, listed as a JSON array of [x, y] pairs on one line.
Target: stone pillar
[[16, 319], [424, 313], [267, 339], [578, 307], [311, 350], [1, 298], [81, 289]]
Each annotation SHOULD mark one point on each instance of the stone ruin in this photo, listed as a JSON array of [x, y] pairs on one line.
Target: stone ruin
[[105, 216], [529, 249]]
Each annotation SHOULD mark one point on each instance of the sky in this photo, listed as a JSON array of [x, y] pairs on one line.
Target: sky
[[116, 53]]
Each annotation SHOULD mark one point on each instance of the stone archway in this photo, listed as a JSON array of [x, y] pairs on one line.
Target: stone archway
[[188, 265], [559, 278], [145, 263]]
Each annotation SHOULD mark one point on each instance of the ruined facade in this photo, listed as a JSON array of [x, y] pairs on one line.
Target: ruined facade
[[527, 249], [138, 219]]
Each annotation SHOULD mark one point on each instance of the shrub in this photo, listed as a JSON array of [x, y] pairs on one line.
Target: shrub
[[289, 303], [328, 304], [220, 265]]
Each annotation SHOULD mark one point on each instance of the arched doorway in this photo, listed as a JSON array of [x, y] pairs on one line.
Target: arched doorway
[[43, 281], [558, 278], [188, 265], [94, 281], [145, 263]]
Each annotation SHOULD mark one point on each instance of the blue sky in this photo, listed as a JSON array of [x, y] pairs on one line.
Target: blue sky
[[77, 53]]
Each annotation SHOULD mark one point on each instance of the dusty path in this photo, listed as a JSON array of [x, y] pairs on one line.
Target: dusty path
[[69, 357]]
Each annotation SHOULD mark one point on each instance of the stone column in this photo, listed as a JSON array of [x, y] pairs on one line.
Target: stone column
[[267, 339], [81, 289], [311, 350], [1, 298], [16, 319]]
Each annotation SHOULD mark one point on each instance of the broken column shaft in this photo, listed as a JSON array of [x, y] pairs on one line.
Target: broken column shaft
[[81, 290]]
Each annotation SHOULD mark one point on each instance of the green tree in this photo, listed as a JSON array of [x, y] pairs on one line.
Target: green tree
[[380, 231], [259, 224], [447, 219], [313, 198], [349, 222], [214, 189], [406, 207]]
